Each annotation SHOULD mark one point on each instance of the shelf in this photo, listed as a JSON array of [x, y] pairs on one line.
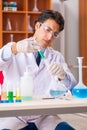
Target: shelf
[[16, 22]]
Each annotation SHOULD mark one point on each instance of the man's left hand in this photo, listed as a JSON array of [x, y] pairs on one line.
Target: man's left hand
[[57, 70]]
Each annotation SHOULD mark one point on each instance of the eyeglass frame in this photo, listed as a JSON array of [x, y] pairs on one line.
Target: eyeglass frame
[[49, 30]]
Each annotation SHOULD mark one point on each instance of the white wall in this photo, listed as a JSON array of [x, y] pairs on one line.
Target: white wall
[[70, 38]]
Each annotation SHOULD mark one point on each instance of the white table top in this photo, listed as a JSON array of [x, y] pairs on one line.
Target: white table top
[[44, 106]]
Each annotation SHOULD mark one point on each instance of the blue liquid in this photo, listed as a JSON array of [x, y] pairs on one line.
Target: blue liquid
[[80, 92], [57, 93]]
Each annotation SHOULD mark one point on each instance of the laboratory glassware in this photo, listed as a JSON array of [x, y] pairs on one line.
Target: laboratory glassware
[[9, 26], [4, 93], [57, 89], [11, 37], [29, 26], [80, 90], [35, 9], [10, 92]]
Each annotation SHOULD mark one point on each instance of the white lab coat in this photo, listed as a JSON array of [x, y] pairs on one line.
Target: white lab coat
[[14, 67]]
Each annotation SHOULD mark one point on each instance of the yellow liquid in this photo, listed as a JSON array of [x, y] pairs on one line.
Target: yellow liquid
[[3, 95]]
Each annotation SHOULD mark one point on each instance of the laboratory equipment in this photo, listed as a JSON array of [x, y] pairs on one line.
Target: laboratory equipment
[[29, 26], [57, 89], [5, 6], [35, 9], [4, 93], [11, 37], [26, 85], [80, 90], [10, 92], [9, 25], [18, 94]]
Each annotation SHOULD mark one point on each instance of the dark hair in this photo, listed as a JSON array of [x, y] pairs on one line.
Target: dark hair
[[51, 14]]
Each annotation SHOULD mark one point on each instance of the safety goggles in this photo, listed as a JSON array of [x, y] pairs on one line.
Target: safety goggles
[[49, 30]]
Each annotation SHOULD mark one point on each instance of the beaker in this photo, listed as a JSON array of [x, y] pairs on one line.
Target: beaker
[[80, 90]]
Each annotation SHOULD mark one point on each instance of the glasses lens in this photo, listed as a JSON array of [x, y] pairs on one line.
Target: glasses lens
[[48, 29], [56, 34]]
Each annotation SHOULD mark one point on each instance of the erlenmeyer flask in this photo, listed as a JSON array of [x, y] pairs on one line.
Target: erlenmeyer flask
[[57, 89], [80, 90]]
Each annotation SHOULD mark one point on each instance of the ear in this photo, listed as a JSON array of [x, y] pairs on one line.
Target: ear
[[37, 25]]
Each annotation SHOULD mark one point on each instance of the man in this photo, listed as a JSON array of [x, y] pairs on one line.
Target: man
[[14, 57]]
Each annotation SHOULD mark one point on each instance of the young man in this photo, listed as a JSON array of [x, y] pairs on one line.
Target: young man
[[14, 57]]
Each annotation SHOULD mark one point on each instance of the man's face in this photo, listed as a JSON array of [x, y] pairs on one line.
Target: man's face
[[46, 32]]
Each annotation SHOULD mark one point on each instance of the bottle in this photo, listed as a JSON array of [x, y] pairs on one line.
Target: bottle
[[26, 85], [80, 90], [5, 6]]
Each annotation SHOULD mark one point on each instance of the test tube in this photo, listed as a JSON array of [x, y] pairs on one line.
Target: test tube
[[18, 95], [10, 93], [4, 93]]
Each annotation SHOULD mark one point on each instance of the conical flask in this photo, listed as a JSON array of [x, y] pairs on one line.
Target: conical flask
[[80, 90]]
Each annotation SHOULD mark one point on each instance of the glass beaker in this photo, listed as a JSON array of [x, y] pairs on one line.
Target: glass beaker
[[80, 90]]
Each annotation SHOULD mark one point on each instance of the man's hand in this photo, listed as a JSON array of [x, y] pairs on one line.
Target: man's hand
[[28, 46], [57, 70]]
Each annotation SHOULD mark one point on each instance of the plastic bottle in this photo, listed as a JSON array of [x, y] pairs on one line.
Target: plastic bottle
[[26, 85]]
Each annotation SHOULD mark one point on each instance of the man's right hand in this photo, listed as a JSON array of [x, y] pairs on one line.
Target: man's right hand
[[28, 46]]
